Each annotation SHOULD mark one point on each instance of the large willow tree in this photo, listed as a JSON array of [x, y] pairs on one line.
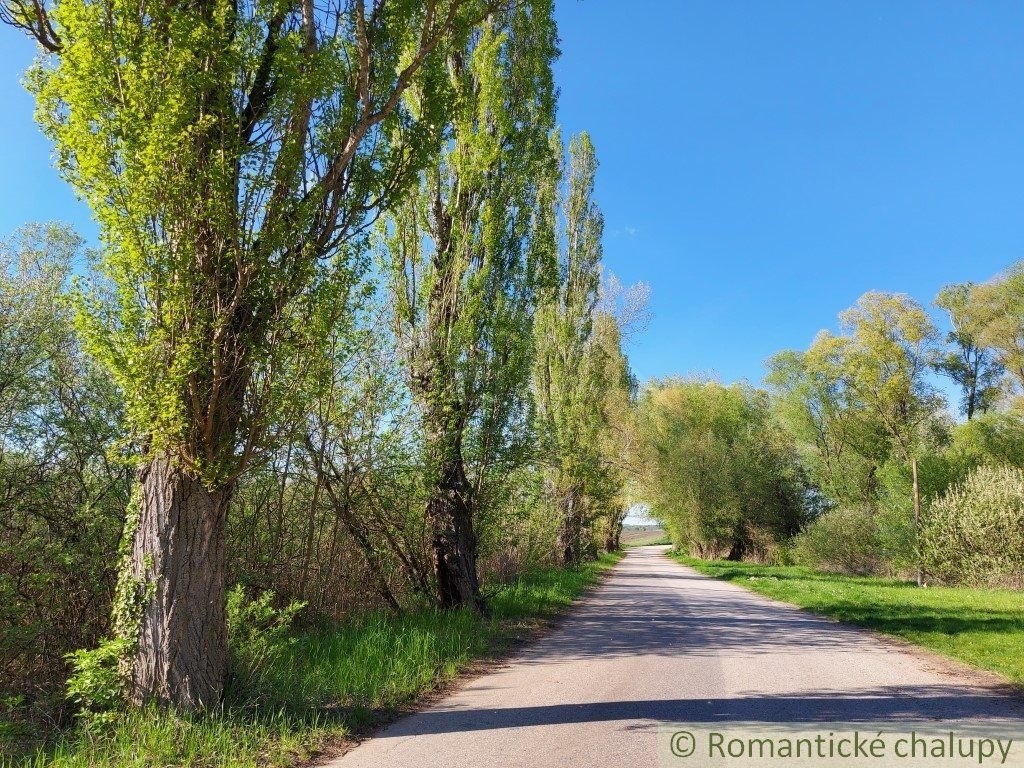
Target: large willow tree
[[230, 150], [460, 255]]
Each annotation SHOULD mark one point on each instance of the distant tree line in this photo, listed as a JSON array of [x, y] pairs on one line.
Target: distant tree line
[[852, 459]]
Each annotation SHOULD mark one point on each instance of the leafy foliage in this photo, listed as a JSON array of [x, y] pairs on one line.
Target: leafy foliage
[[972, 533], [62, 486], [258, 637], [717, 469], [230, 152], [972, 366], [580, 373], [843, 541], [97, 683], [993, 314]]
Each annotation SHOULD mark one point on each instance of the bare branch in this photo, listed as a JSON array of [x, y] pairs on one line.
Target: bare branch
[[31, 17]]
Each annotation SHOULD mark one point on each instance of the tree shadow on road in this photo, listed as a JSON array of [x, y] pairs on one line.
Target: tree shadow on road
[[908, 703]]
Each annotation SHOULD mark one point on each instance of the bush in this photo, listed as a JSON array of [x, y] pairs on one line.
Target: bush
[[717, 469], [974, 533], [842, 541], [97, 681], [258, 636]]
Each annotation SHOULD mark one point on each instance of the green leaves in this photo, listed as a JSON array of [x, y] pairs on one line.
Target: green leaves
[[458, 252], [717, 468], [97, 683], [972, 533], [230, 153], [991, 316], [61, 479], [581, 381], [858, 400]]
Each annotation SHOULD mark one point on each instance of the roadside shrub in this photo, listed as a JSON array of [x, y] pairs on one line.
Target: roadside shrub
[[96, 684], [894, 527], [974, 533], [258, 636], [842, 541], [783, 556]]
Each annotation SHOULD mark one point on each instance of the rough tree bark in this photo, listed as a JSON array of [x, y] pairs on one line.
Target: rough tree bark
[[450, 498], [449, 509], [178, 558], [570, 531], [450, 515], [613, 535]]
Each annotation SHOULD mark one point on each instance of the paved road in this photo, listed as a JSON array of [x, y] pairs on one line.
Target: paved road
[[659, 643]]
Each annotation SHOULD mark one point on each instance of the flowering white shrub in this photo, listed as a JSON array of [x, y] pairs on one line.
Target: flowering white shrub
[[974, 534]]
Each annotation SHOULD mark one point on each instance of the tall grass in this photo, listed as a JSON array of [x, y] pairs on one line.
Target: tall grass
[[379, 661], [228, 739], [328, 684]]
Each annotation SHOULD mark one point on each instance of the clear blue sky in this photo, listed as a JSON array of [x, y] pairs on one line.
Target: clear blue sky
[[762, 164]]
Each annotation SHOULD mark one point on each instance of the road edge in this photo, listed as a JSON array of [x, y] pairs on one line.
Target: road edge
[[502, 654], [943, 665]]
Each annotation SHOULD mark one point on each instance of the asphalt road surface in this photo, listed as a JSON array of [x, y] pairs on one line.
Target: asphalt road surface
[[659, 643]]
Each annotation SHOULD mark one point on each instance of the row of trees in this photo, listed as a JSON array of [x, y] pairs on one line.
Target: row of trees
[[854, 444], [348, 300]]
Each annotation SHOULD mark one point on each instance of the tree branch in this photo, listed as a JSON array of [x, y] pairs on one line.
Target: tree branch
[[31, 17]]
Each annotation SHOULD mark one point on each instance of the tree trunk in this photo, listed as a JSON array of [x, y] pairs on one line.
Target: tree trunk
[[614, 533], [178, 561], [569, 533], [736, 551], [450, 514]]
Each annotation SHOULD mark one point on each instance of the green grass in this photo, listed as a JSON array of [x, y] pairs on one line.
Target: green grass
[[982, 627], [330, 684], [650, 541]]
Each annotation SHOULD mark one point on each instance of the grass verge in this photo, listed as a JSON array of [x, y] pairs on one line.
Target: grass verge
[[329, 685], [982, 627]]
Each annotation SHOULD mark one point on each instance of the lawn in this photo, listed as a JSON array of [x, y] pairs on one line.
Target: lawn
[[331, 684], [982, 627]]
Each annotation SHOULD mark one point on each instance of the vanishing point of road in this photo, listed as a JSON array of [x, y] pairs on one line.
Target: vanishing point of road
[[659, 643]]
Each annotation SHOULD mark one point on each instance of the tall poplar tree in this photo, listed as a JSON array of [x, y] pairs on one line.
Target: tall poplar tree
[[230, 151], [618, 440], [569, 373], [461, 258]]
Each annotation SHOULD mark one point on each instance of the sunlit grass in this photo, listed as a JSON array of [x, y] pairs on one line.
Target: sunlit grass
[[229, 739], [329, 683], [982, 627]]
